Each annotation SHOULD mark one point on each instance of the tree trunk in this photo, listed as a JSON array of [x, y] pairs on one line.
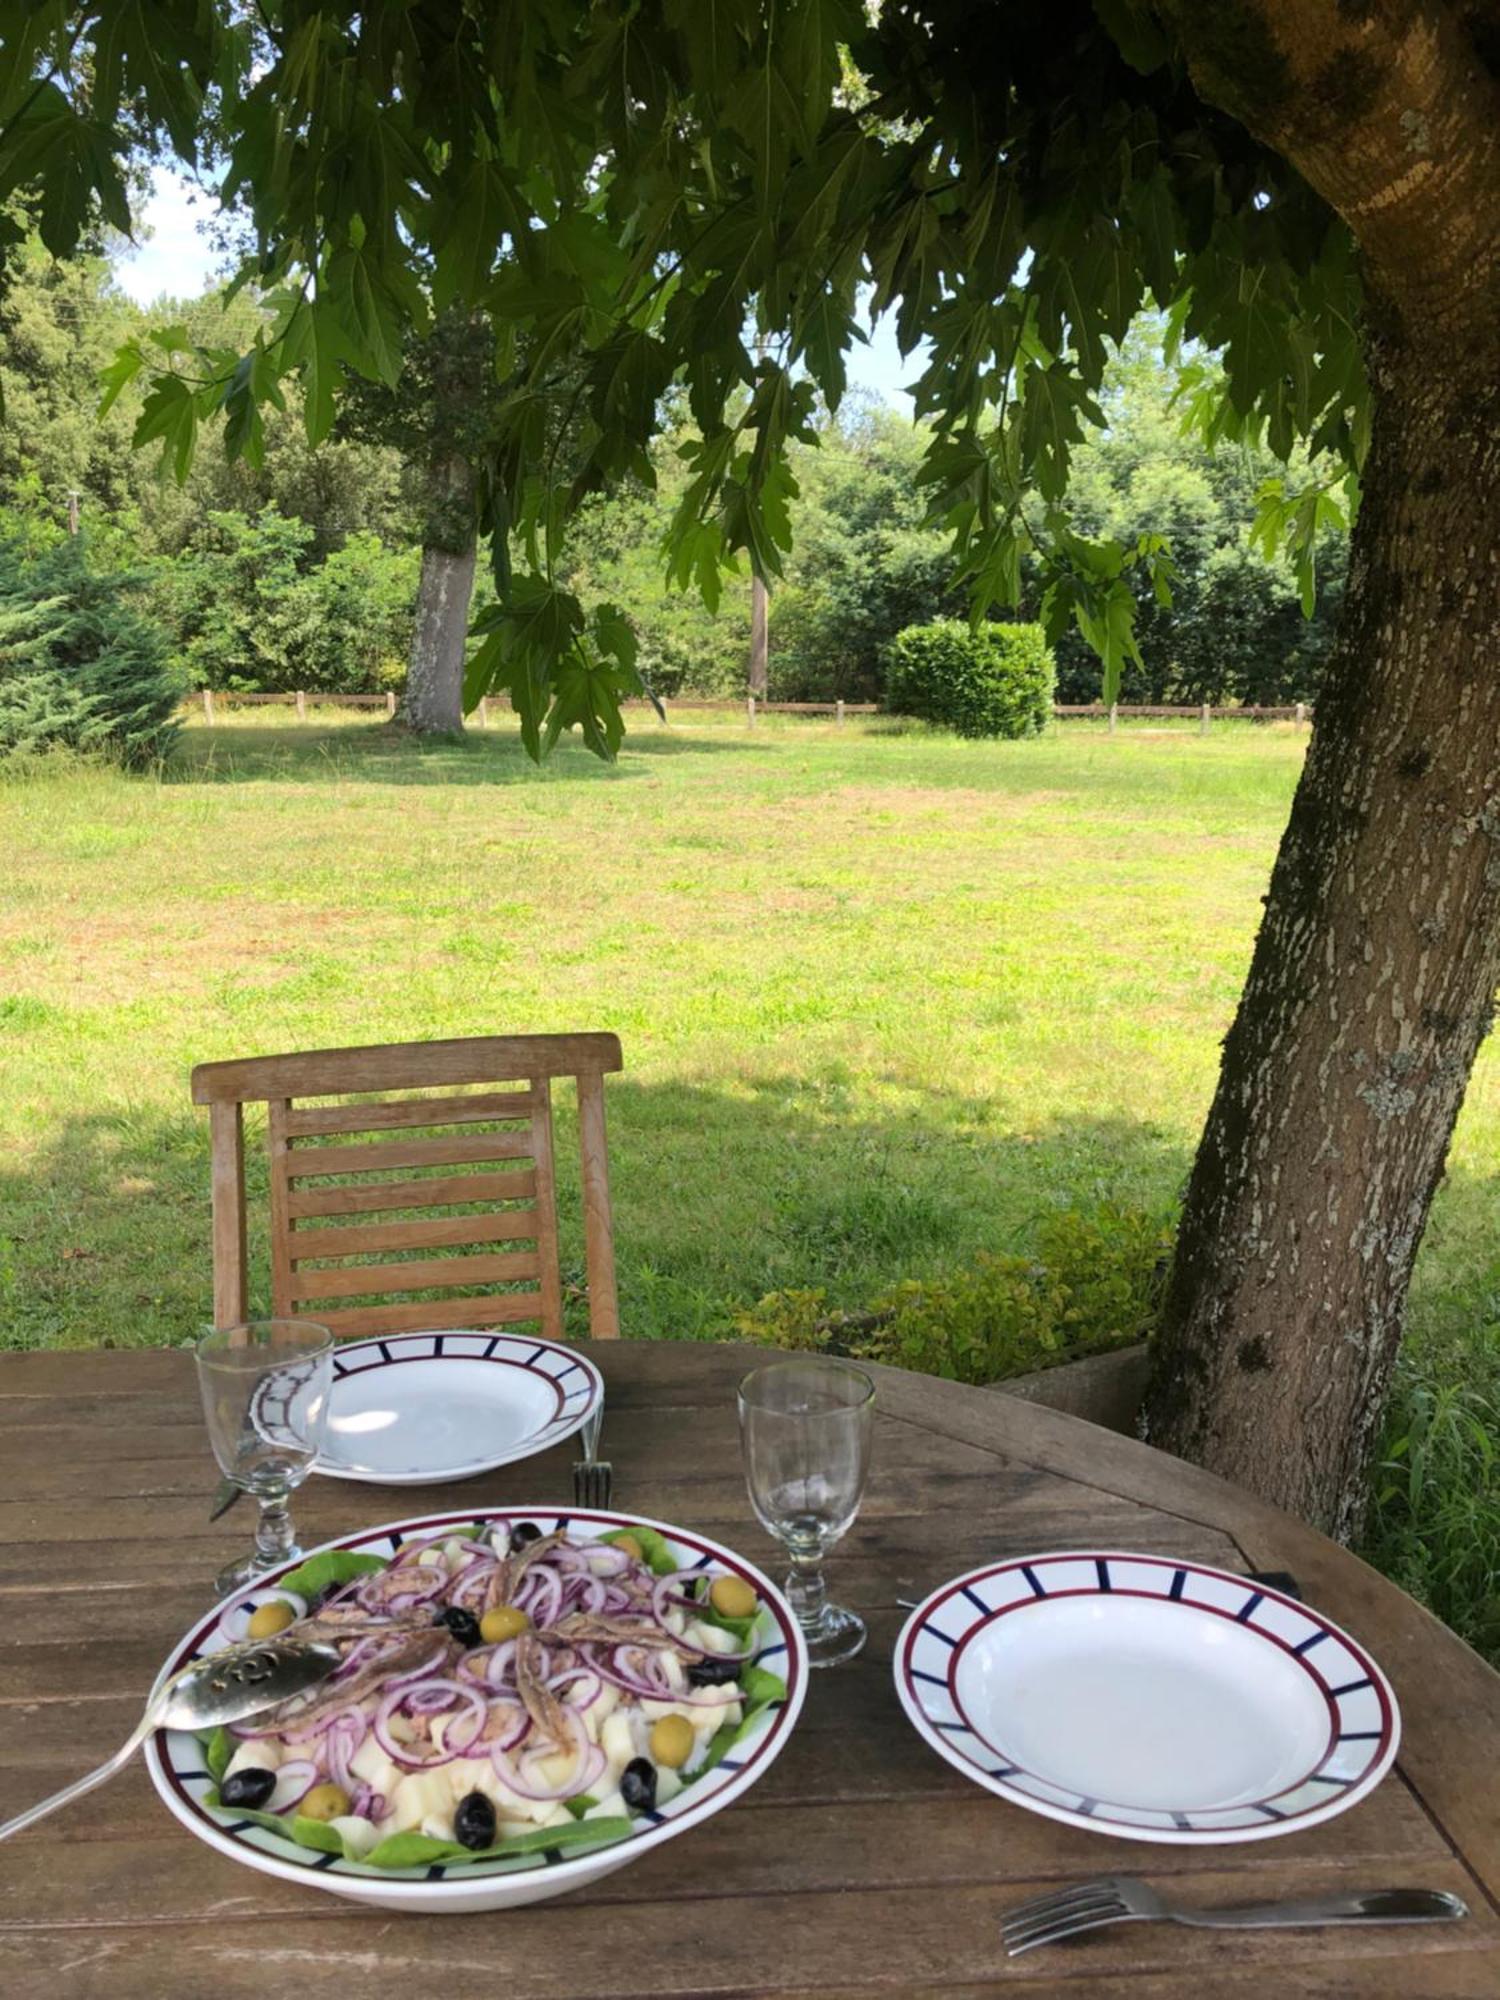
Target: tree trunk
[[760, 645], [1373, 980], [435, 674]]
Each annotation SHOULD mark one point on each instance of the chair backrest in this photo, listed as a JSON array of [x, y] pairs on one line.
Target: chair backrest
[[349, 1185]]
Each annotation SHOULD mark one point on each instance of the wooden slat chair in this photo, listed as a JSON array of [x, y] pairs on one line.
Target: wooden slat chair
[[348, 1188]]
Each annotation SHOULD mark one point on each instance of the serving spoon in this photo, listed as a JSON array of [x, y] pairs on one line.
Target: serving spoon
[[222, 1687]]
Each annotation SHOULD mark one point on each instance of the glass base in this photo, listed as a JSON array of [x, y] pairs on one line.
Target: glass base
[[834, 1636], [250, 1569]]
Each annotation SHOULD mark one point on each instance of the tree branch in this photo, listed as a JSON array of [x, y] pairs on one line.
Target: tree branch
[[1393, 115]]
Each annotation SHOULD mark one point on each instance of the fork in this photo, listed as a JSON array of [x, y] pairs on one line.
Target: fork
[[1119, 1899], [593, 1477]]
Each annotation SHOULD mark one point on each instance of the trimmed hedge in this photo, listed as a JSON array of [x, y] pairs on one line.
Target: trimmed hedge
[[986, 680]]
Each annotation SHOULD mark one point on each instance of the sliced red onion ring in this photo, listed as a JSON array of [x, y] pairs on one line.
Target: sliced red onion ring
[[403, 1753], [294, 1780]]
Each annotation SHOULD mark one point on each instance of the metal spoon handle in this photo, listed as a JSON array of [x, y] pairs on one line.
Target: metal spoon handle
[[81, 1785]]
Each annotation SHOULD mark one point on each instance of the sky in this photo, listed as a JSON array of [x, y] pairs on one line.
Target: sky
[[175, 258]]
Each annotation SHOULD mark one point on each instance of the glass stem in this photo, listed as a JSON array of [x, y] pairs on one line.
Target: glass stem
[[807, 1593], [273, 1531]]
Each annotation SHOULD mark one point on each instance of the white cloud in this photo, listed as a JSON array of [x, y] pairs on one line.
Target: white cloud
[[174, 256]]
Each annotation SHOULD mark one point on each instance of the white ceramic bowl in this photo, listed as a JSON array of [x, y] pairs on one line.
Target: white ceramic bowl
[[175, 1757]]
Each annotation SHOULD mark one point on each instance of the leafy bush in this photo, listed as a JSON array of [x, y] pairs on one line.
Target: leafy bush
[[1434, 1523], [252, 610], [1093, 1284], [80, 667], [986, 680]]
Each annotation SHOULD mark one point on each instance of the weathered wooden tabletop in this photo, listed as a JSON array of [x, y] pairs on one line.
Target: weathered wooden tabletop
[[862, 1864]]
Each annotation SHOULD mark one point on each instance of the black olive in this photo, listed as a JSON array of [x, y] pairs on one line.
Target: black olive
[[248, 1787], [712, 1672], [474, 1822], [522, 1533], [462, 1624], [320, 1597], [638, 1784]]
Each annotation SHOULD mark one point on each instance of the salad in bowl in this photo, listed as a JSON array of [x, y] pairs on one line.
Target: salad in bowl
[[524, 1702]]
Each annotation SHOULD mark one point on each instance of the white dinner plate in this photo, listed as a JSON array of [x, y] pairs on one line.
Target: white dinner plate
[[1147, 1698], [419, 1409]]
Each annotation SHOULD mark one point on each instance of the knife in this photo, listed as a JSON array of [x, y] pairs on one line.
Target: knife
[[225, 1495]]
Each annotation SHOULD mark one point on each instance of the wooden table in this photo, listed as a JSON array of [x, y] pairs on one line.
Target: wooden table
[[861, 1864]]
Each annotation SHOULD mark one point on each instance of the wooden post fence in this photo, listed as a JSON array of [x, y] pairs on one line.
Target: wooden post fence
[[1205, 716], [208, 706], [749, 711], [390, 702], [838, 715], [1114, 715], [1301, 715], [301, 706], [484, 711]]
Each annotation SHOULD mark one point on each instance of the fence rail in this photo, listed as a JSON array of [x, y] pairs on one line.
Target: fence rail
[[1299, 712]]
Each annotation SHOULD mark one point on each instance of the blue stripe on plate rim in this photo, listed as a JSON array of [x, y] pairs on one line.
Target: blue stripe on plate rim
[[525, 1351], [932, 1704], [174, 1757]]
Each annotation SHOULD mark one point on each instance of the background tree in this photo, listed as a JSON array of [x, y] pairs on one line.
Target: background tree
[[1309, 186], [439, 416]]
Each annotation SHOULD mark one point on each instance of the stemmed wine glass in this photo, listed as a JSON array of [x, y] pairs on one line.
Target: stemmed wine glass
[[265, 1400], [805, 1426]]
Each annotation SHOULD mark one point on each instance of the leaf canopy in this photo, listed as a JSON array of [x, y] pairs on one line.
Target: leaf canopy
[[702, 192]]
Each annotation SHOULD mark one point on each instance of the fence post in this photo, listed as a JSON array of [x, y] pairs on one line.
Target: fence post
[[838, 715], [1114, 710], [390, 702], [301, 706], [208, 706], [484, 711], [749, 711], [1205, 716], [1301, 713]]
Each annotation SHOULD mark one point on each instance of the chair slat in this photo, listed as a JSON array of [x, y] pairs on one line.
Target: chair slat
[[426, 1315], [304, 1162], [432, 1233], [318, 1121], [403, 1066], [420, 1275], [440, 1192]]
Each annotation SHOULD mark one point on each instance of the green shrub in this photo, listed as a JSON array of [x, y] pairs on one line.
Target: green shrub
[[1093, 1284], [81, 668], [1434, 1524], [252, 609], [986, 680]]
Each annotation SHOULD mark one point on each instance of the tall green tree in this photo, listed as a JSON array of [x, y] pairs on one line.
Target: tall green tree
[[1310, 186]]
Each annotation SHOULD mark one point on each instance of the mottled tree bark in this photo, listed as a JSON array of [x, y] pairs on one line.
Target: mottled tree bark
[[1374, 974], [435, 673]]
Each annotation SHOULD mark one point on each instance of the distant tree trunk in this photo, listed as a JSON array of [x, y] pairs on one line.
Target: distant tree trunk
[[760, 644], [435, 673]]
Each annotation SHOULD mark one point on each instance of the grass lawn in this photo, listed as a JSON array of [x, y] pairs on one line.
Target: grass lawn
[[884, 998]]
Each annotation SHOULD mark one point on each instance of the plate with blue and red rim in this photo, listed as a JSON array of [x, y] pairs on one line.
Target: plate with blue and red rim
[[1147, 1698], [425, 1409]]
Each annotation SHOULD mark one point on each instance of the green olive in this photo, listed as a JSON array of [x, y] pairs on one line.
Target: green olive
[[631, 1547], [324, 1802], [269, 1619], [731, 1597], [672, 1741], [504, 1622]]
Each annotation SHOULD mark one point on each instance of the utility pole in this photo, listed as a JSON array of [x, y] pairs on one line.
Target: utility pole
[[759, 639]]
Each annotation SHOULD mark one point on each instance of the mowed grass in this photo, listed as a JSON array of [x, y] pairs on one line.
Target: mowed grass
[[885, 998]]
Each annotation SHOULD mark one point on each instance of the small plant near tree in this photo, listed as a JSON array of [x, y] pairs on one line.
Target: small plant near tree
[[1092, 1283], [81, 668], [981, 680]]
